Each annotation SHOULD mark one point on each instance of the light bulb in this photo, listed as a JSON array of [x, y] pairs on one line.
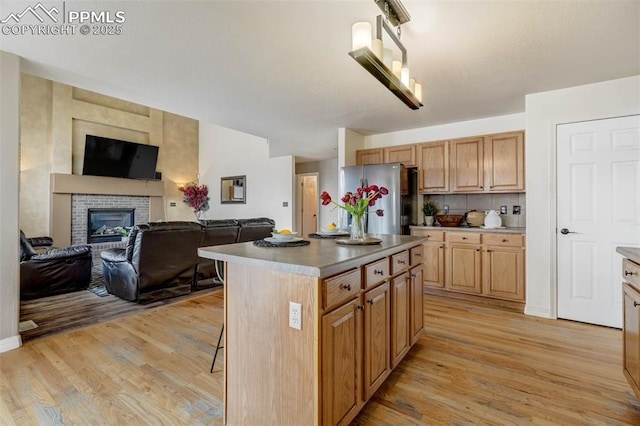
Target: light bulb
[[412, 84], [376, 46], [418, 91], [360, 35], [387, 57], [396, 66], [404, 76]]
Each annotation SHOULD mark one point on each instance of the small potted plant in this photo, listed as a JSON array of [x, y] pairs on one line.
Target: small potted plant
[[430, 209]]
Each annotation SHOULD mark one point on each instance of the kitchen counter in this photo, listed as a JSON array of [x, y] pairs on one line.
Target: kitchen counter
[[631, 253], [321, 258], [507, 230]]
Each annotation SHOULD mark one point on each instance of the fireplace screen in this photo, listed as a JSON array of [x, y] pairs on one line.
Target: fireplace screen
[[105, 225]]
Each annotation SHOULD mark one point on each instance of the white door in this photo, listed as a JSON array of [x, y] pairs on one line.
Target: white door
[[598, 210], [309, 204]]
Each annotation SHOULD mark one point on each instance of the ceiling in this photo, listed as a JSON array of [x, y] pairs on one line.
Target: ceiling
[[280, 69]]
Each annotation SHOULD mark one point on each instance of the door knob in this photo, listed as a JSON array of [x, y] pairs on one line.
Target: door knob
[[565, 231]]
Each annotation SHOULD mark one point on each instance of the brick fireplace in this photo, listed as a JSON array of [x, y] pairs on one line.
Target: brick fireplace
[[73, 195]]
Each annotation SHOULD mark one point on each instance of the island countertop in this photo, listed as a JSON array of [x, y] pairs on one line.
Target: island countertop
[[322, 258], [505, 230]]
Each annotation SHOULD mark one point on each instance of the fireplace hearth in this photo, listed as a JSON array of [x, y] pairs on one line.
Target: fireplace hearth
[[106, 225]]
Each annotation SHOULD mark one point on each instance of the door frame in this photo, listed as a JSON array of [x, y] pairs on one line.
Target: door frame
[[553, 208], [298, 200]]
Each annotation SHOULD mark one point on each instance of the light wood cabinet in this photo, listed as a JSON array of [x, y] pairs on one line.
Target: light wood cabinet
[[400, 328], [433, 255], [467, 165], [416, 311], [503, 272], [341, 358], [504, 162], [463, 268], [405, 154], [631, 326], [377, 329], [433, 167], [366, 157]]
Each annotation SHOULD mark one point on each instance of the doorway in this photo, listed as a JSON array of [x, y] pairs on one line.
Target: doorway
[[598, 209], [307, 206]]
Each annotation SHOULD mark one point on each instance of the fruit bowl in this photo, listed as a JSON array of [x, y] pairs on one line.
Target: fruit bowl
[[284, 237], [449, 220]]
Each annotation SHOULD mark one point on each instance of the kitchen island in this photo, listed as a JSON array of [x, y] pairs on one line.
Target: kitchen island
[[311, 332]]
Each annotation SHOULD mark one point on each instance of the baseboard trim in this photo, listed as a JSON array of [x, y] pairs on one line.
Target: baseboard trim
[[538, 312], [10, 343]]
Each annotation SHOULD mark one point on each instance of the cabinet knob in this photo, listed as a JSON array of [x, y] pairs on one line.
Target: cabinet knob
[[418, 254], [402, 262], [464, 238], [477, 249], [441, 247], [414, 275], [361, 307], [377, 272], [504, 240], [626, 273], [635, 304], [489, 251], [346, 287], [370, 301]]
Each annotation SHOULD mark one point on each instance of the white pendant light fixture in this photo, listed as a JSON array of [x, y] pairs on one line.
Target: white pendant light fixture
[[377, 59]]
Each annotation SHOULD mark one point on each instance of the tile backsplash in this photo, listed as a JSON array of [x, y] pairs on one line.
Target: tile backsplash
[[461, 203]]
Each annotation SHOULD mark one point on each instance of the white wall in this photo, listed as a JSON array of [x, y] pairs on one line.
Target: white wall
[[327, 181], [269, 182], [349, 142], [461, 129], [544, 112], [9, 184]]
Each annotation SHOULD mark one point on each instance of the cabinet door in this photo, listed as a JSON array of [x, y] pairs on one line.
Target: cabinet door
[[400, 299], [504, 156], [503, 273], [365, 157], [377, 347], [631, 336], [416, 313], [405, 154], [467, 165], [433, 167], [341, 365], [463, 268], [433, 264]]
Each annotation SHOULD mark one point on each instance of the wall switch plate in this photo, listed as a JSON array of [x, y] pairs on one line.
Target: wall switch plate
[[285, 204], [172, 204], [516, 209], [445, 209], [503, 209], [295, 315]]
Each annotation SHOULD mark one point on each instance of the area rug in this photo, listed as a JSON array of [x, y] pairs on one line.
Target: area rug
[[97, 281]]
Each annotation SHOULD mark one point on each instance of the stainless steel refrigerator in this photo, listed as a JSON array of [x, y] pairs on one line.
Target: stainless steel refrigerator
[[393, 204]]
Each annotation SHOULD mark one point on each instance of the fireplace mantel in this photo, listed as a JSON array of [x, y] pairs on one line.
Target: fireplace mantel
[[64, 185]]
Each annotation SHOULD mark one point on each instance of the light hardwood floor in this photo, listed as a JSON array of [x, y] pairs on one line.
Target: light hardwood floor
[[474, 365]]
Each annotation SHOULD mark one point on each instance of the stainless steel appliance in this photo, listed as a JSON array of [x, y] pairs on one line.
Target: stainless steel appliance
[[399, 210]]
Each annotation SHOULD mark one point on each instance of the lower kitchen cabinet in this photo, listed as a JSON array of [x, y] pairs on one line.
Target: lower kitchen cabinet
[[631, 314], [503, 273], [463, 271], [400, 306], [416, 304], [377, 331]]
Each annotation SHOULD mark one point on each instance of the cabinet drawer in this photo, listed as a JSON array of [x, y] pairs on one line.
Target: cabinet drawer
[[463, 237], [429, 234], [399, 262], [376, 272], [631, 273], [416, 254], [338, 289], [505, 240]]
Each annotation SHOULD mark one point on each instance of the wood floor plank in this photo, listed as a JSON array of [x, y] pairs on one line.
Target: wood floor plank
[[474, 364]]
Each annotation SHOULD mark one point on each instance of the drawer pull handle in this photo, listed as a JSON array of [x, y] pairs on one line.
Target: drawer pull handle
[[414, 275], [346, 287], [370, 301], [417, 254], [629, 273], [464, 238], [402, 262], [635, 304], [504, 240], [361, 307], [377, 272]]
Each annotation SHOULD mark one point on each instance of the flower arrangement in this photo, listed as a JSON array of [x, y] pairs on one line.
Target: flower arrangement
[[356, 203], [196, 197]]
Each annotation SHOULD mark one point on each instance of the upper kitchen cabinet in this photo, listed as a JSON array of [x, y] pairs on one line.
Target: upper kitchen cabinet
[[405, 154], [493, 163], [366, 157], [467, 165], [504, 162], [433, 167]]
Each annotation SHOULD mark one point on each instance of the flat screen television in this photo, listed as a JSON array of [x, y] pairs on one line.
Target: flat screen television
[[117, 158]]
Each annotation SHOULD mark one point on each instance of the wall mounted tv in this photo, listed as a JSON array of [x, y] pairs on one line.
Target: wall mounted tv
[[121, 159]]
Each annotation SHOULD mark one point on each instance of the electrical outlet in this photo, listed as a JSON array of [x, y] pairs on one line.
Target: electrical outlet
[[285, 204], [503, 209], [295, 315], [445, 209], [172, 204], [516, 209]]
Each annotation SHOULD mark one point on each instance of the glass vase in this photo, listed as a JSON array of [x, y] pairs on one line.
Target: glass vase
[[198, 214], [358, 228]]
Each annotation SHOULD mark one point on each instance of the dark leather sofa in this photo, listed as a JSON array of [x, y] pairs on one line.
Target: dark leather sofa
[[46, 271], [161, 260]]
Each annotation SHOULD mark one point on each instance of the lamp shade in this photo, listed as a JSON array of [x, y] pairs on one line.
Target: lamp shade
[[418, 91], [387, 57], [360, 35], [396, 66], [376, 46], [404, 76]]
